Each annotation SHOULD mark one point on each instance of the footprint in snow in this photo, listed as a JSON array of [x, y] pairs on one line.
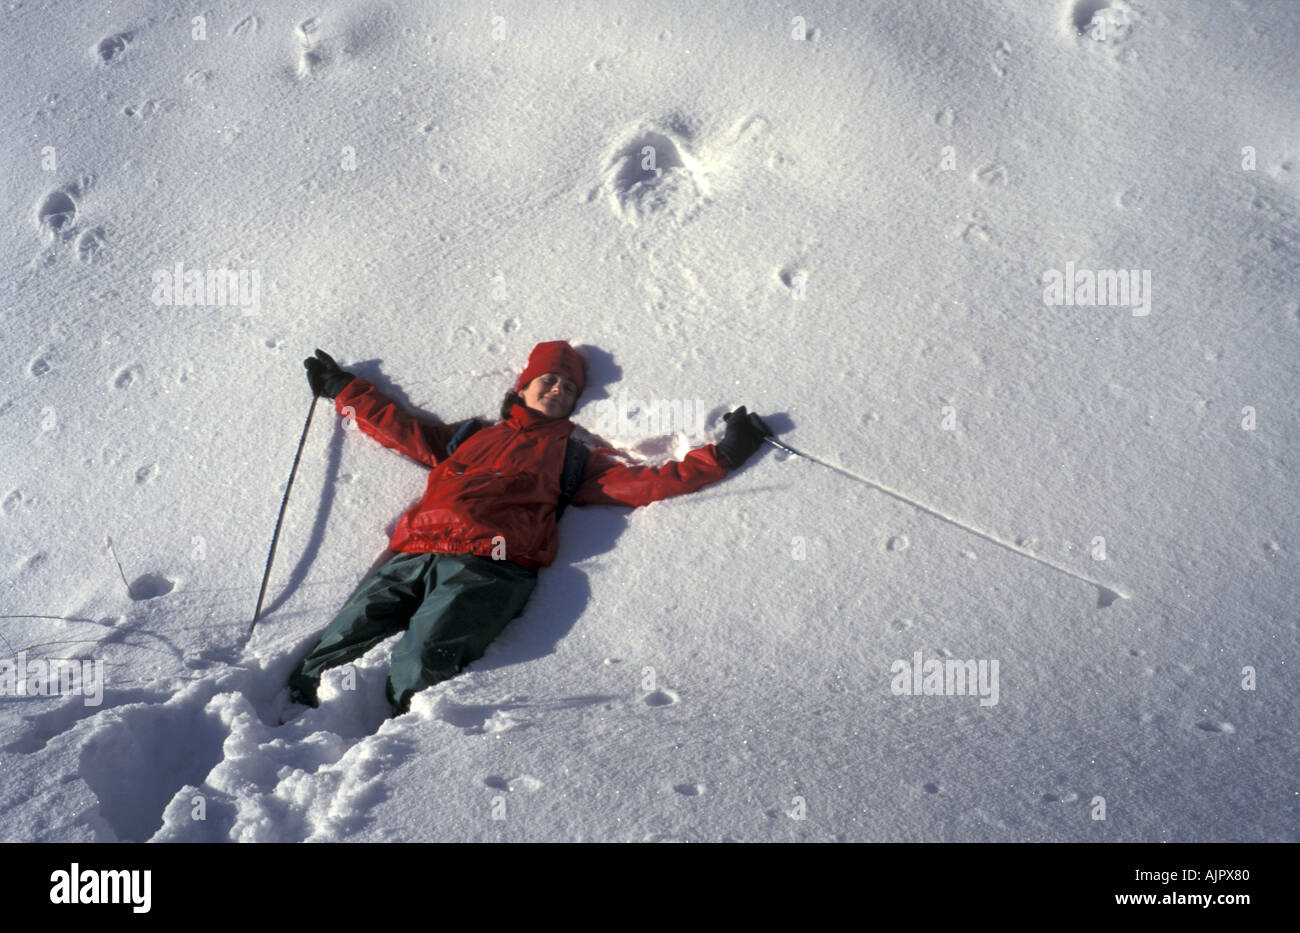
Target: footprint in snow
[[136, 753]]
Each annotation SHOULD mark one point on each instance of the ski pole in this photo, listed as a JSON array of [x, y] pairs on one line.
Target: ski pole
[[283, 504], [1106, 594]]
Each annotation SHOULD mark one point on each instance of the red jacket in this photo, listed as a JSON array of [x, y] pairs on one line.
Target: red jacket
[[503, 481]]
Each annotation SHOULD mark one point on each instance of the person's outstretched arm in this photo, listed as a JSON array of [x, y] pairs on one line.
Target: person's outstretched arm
[[376, 414], [610, 480]]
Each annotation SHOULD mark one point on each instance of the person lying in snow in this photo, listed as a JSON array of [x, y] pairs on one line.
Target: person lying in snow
[[468, 553]]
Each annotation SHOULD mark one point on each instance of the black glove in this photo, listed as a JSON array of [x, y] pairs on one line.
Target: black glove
[[745, 433], [324, 375]]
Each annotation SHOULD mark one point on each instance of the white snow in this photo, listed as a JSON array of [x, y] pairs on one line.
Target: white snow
[[850, 235]]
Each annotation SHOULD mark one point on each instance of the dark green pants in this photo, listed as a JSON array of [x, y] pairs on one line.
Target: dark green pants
[[451, 605]]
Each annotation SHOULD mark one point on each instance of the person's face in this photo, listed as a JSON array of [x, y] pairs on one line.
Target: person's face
[[551, 394]]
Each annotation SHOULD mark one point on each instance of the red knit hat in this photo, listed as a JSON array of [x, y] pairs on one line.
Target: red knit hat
[[554, 357]]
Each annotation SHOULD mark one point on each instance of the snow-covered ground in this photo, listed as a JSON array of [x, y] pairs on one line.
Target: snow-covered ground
[[857, 213]]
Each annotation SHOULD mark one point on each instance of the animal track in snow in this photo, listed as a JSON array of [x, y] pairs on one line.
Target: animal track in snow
[[146, 108], [146, 473], [462, 336], [246, 27], [1001, 55], [1106, 24], [897, 543], [34, 561], [1210, 725], [1129, 198], [692, 789], [125, 376], [90, 245], [57, 213], [794, 277], [651, 174], [975, 232], [752, 129], [110, 48], [992, 174], [13, 501], [524, 782]]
